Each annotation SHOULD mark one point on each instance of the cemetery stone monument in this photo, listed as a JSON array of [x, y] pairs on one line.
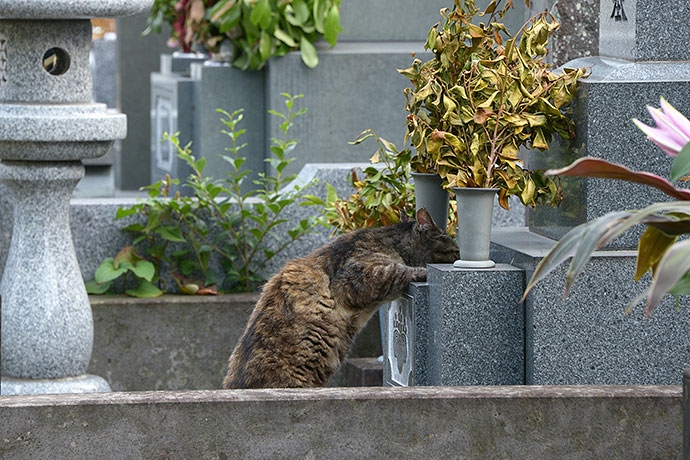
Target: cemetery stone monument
[[48, 124], [471, 319]]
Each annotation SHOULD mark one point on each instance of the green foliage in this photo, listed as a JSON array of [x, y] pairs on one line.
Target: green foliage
[[240, 229], [256, 29], [382, 194], [482, 97], [127, 262]]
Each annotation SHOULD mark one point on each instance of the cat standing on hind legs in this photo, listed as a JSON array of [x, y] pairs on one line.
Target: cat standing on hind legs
[[310, 311]]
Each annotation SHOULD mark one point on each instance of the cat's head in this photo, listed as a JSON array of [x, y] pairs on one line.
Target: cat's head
[[431, 244]]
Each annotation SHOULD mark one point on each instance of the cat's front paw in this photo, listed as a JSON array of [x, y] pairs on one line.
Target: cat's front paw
[[419, 274]]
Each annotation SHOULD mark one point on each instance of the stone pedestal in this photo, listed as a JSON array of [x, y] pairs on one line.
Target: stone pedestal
[[47, 125], [587, 339], [468, 331]]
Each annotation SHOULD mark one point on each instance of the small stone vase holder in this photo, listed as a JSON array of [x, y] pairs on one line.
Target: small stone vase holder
[[430, 194], [475, 209], [48, 124]]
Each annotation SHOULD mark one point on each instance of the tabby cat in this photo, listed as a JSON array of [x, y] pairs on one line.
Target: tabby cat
[[309, 313]]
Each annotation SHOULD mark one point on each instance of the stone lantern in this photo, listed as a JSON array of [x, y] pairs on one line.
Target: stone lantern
[[47, 126]]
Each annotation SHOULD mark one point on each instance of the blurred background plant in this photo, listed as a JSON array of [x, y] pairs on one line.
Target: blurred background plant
[[248, 32]]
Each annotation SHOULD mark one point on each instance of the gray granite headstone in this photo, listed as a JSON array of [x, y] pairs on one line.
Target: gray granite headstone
[[586, 338], [137, 56], [47, 125], [644, 30], [173, 110], [643, 56]]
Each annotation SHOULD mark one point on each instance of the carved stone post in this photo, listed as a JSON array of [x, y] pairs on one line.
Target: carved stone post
[[47, 126]]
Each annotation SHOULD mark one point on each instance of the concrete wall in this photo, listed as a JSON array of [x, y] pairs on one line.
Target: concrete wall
[[180, 342], [564, 423]]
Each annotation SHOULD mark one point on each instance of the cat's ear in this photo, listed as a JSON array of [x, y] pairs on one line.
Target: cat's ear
[[404, 217], [424, 220]]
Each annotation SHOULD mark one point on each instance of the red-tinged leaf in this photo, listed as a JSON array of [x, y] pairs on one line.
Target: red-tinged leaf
[[127, 254], [595, 167], [208, 290]]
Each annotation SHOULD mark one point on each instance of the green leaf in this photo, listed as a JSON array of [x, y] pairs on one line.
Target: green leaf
[[143, 269], [231, 19], [261, 13], [681, 164], [146, 289], [309, 56], [301, 11], [332, 25], [122, 212], [93, 287], [319, 12], [653, 243], [331, 194], [134, 228], [171, 234], [285, 38], [682, 287], [107, 272], [265, 46]]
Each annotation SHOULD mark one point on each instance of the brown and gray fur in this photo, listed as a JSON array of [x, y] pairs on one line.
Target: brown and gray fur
[[309, 313]]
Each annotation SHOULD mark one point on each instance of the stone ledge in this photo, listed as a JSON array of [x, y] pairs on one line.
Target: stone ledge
[[350, 423]]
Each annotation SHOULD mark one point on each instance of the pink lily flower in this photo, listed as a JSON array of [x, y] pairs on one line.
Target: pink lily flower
[[672, 131]]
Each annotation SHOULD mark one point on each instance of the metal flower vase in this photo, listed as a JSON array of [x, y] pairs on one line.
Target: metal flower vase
[[475, 209], [430, 194]]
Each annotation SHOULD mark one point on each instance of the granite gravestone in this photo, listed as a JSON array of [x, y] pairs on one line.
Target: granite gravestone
[[173, 110], [643, 56], [586, 338], [47, 126]]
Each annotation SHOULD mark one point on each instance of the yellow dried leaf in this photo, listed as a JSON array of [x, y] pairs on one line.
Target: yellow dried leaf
[[527, 195], [488, 102], [539, 141]]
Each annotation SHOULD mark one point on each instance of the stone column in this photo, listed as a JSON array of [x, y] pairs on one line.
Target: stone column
[[47, 126]]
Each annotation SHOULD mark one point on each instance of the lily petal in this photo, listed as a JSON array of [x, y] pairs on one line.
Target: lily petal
[[664, 122], [660, 137], [677, 118]]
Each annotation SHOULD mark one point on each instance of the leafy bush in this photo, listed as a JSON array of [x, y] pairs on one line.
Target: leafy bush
[[255, 29], [383, 194], [240, 229], [482, 96]]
